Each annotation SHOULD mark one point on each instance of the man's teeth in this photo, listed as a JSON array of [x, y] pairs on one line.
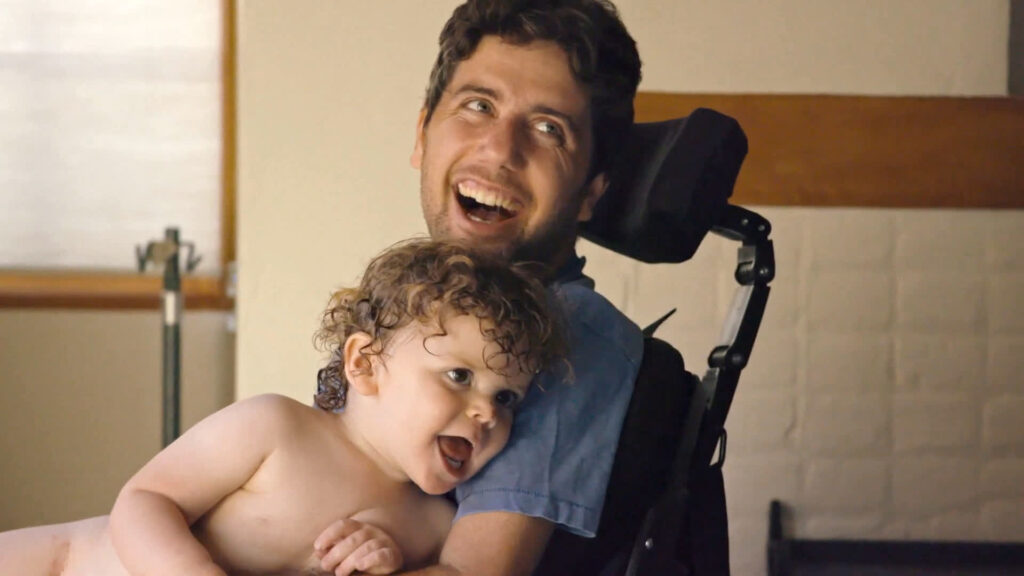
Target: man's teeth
[[486, 197]]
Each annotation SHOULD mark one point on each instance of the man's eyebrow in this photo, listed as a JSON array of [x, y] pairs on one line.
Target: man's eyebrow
[[476, 89]]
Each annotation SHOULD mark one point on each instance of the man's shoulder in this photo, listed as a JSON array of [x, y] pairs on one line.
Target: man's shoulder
[[592, 318], [583, 305]]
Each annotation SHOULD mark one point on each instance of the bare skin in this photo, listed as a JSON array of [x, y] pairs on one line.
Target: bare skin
[[271, 486], [511, 131], [307, 480]]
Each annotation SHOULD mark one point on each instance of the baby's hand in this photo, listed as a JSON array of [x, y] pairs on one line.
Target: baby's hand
[[350, 545]]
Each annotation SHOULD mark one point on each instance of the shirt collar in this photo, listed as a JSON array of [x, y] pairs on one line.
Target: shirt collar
[[572, 271]]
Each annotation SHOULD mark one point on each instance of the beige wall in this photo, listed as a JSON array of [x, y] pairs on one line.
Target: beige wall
[[881, 397], [80, 406], [329, 91]]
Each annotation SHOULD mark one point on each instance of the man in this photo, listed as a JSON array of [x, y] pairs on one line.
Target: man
[[527, 103]]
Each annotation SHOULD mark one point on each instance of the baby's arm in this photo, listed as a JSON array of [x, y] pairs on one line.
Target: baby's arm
[[150, 520]]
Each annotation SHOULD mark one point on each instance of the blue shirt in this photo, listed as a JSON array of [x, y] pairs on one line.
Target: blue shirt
[[559, 457]]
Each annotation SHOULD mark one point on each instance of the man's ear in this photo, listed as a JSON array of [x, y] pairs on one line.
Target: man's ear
[[591, 194], [416, 160], [358, 366]]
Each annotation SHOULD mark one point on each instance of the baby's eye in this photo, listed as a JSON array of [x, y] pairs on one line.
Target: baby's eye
[[506, 399], [460, 376]]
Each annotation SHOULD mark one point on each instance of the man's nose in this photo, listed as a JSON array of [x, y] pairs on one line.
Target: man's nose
[[505, 141]]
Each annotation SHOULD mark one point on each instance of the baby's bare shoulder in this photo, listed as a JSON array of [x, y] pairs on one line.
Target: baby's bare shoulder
[[273, 410]]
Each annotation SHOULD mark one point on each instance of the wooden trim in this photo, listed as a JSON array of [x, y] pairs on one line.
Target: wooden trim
[[890, 152], [229, 133], [104, 291], [97, 290]]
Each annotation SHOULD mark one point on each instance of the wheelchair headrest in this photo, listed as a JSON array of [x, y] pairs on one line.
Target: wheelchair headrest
[[669, 187]]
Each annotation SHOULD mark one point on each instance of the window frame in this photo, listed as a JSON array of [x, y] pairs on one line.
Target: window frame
[[75, 289]]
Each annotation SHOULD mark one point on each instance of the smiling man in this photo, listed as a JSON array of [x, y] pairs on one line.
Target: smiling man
[[527, 104]]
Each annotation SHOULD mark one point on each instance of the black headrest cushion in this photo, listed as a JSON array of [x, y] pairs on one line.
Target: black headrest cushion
[[669, 187]]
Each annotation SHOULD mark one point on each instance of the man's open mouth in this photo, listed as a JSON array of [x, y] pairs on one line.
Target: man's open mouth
[[482, 205], [455, 451]]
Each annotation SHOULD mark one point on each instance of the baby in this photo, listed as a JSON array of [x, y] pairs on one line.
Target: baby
[[430, 355]]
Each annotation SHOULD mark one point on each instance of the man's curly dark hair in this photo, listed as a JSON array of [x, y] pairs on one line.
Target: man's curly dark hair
[[602, 55]]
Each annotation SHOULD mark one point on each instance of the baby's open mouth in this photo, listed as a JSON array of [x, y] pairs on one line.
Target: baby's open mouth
[[455, 450], [485, 205]]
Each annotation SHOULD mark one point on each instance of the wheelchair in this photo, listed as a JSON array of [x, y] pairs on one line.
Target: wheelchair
[[664, 511]]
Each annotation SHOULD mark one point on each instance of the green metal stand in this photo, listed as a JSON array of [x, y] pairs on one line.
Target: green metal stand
[[166, 253]]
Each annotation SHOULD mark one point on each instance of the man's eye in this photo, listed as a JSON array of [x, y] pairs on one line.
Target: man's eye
[[550, 129], [506, 399], [460, 376], [478, 105]]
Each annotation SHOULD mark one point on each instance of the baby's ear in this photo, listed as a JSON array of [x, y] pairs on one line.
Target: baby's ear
[[359, 366]]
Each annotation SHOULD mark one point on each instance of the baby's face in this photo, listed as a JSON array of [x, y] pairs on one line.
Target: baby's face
[[449, 406]]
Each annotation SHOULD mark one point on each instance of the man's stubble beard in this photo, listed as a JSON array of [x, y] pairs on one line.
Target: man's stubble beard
[[549, 246]]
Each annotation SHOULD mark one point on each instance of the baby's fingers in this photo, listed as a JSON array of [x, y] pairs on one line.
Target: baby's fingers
[[334, 533], [340, 554], [372, 557]]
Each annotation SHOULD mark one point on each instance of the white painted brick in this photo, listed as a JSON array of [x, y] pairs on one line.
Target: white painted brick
[[962, 524], [844, 301], [845, 425], [1003, 478], [924, 241], [661, 287], [894, 529], [1006, 303], [1006, 364], [1003, 520], [751, 482], [864, 525], [929, 485], [748, 540], [940, 302], [1003, 422], [940, 362], [850, 239], [851, 485], [849, 363], [774, 362], [760, 422], [612, 273], [1006, 236], [788, 222], [930, 421]]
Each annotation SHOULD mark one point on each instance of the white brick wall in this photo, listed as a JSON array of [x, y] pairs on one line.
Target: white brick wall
[[885, 395]]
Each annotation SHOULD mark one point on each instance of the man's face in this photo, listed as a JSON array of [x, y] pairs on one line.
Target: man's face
[[505, 155]]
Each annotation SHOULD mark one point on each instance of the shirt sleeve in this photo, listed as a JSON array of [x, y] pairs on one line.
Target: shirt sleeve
[[559, 456]]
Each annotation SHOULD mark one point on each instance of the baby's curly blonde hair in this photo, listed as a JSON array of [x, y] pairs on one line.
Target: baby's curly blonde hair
[[426, 280]]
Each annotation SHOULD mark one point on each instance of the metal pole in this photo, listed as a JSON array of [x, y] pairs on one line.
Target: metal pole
[[172, 341]]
